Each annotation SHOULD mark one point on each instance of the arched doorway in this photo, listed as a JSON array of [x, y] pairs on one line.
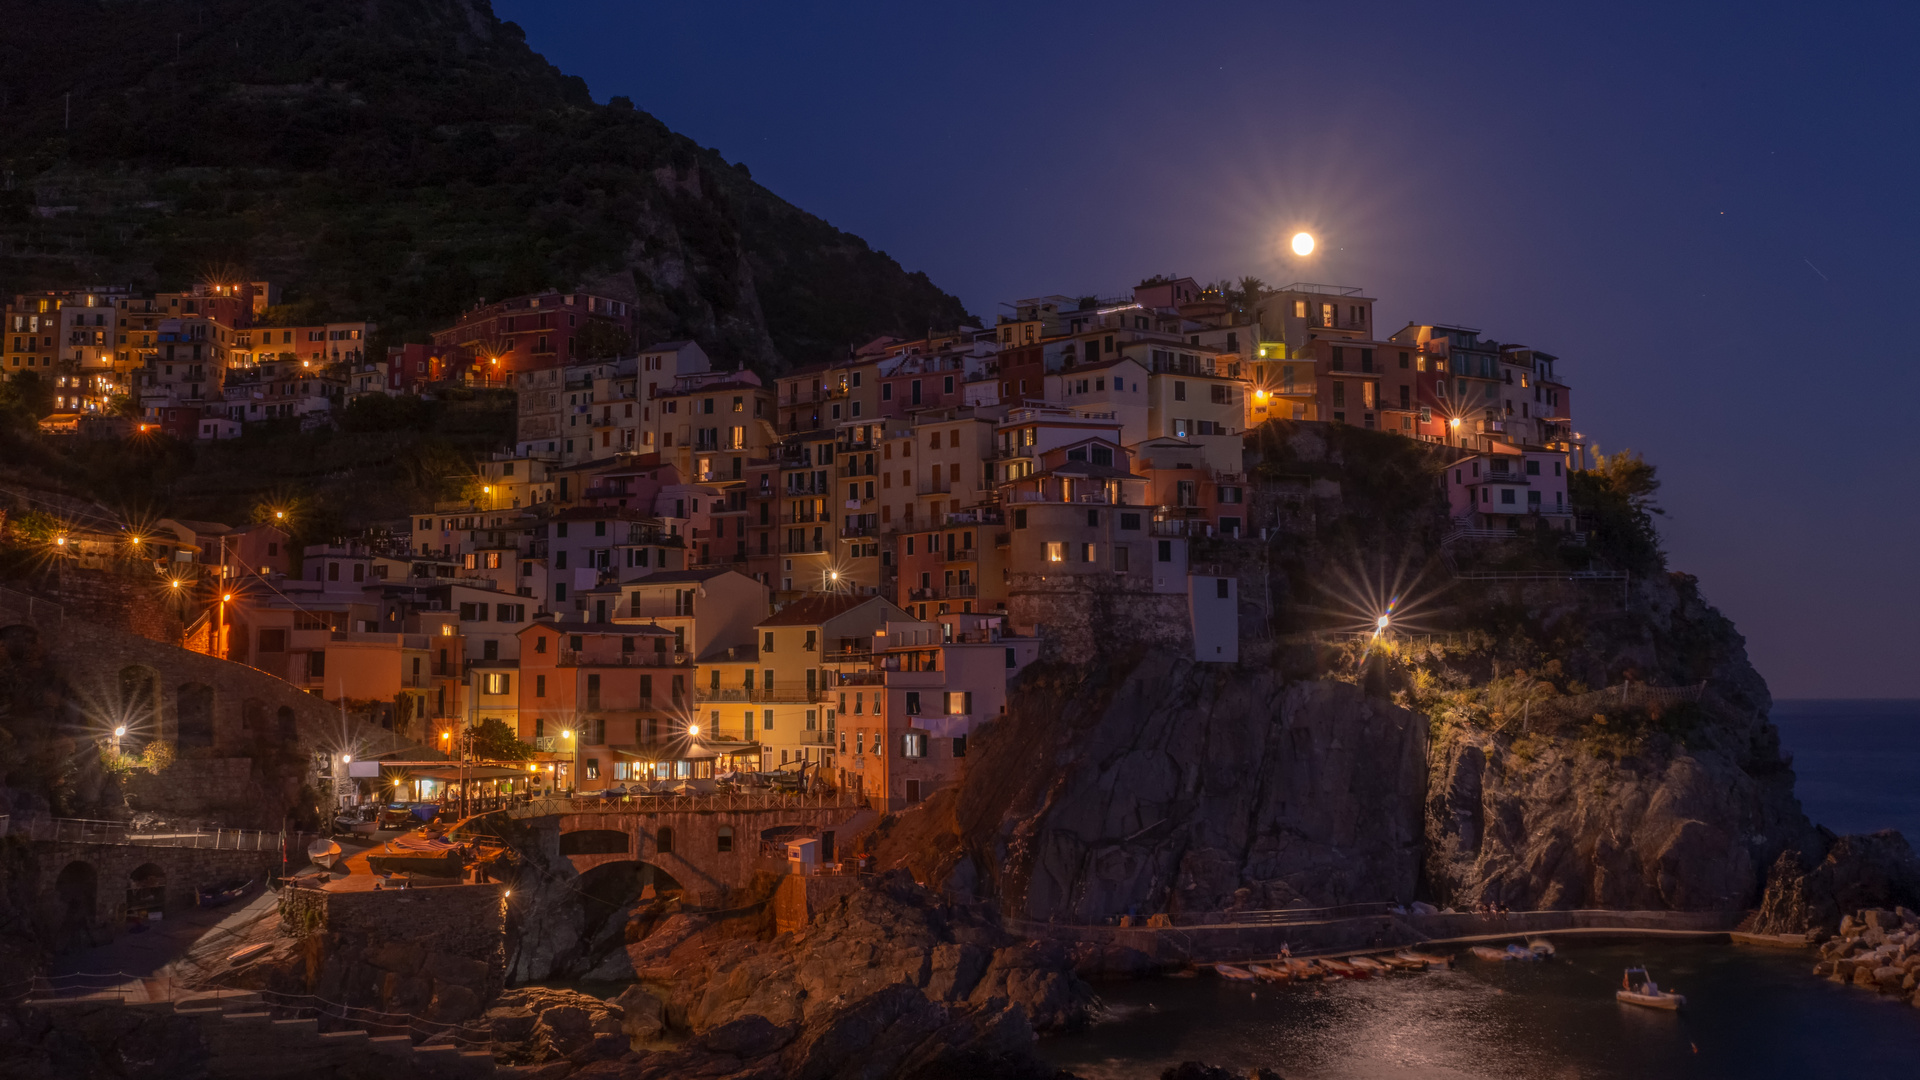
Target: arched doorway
[[253, 716], [193, 712], [78, 891], [139, 699], [289, 728], [146, 889]]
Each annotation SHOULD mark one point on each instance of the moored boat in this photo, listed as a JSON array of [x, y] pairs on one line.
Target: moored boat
[[1341, 967], [1303, 970], [1367, 964], [1541, 947], [1488, 952], [1429, 959], [1268, 974], [1228, 971], [1646, 992]]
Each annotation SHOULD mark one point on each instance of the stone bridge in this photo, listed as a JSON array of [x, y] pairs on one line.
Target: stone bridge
[[83, 891], [707, 844]]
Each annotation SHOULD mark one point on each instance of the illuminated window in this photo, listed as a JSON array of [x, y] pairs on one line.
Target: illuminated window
[[1056, 551]]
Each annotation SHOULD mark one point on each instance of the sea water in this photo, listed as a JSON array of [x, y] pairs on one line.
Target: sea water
[[1750, 1012]]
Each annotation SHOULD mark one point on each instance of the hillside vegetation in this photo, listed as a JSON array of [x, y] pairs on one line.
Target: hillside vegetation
[[400, 162]]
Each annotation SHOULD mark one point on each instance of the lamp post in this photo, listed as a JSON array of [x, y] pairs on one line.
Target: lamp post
[[118, 734]]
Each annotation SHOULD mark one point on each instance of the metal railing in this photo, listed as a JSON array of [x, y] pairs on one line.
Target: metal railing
[[691, 803], [85, 831]]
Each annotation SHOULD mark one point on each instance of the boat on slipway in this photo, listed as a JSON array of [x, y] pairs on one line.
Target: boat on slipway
[[323, 853], [1237, 974]]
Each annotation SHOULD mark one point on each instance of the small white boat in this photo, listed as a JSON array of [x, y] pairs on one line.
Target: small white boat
[[1228, 971], [1429, 959], [323, 852], [1646, 992], [1269, 974], [1488, 952]]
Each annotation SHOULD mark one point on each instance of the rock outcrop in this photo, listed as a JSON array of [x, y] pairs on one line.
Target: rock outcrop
[[1852, 873], [1152, 783], [886, 982]]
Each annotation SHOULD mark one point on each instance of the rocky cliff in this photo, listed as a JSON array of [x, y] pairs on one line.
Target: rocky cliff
[[1149, 783], [1522, 734]]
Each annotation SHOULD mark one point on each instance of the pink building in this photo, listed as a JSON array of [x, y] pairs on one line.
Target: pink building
[[1497, 488]]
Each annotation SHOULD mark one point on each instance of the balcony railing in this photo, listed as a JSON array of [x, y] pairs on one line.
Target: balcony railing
[[847, 656], [743, 694], [569, 658]]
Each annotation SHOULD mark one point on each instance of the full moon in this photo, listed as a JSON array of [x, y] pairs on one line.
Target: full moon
[[1303, 243]]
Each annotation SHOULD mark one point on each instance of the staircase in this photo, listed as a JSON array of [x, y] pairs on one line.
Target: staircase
[[247, 1043]]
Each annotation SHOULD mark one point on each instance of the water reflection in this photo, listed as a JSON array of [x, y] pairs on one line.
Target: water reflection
[[1750, 1014]]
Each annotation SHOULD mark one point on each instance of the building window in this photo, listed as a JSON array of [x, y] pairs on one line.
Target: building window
[[663, 840], [913, 744], [1056, 551], [959, 702], [593, 768], [723, 843], [498, 682]]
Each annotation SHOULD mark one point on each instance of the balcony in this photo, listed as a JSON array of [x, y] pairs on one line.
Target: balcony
[[960, 555], [986, 516], [742, 694], [861, 678], [847, 656], [569, 658]]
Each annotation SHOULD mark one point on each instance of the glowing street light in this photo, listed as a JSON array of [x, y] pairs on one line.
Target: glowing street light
[[1381, 623], [693, 729], [1303, 244]]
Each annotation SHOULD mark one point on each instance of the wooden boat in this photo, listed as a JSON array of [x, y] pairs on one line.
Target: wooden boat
[[1367, 964], [1228, 971], [1429, 959], [1303, 970], [1341, 967], [1266, 973], [1646, 992], [1402, 963], [1488, 952], [222, 895], [323, 852]]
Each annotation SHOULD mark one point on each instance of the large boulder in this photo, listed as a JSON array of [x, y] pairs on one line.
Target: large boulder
[[537, 1024]]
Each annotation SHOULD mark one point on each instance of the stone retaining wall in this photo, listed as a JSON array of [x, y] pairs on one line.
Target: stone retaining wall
[[438, 951], [1202, 944]]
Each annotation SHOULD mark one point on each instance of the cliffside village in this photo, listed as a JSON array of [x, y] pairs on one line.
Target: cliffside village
[[680, 571]]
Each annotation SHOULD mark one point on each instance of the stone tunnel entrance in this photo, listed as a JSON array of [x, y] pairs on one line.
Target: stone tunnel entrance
[[146, 890], [77, 890]]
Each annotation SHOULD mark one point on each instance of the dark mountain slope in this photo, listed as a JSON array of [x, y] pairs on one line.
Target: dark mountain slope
[[401, 161]]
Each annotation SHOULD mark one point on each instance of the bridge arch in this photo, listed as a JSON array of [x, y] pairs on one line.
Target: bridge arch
[[77, 890], [147, 888]]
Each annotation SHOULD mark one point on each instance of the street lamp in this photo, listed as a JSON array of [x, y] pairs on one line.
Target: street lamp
[[118, 734]]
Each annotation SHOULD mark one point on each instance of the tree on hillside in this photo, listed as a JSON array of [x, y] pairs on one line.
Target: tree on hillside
[[1617, 496]]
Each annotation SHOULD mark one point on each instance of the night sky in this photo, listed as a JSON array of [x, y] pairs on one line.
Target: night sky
[[1707, 211]]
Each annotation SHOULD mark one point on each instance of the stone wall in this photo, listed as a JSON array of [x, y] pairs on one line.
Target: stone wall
[[231, 712], [113, 865], [438, 952], [798, 898], [124, 602], [1076, 621], [190, 788]]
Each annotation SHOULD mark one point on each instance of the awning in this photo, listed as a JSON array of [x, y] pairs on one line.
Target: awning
[[454, 774], [704, 750]]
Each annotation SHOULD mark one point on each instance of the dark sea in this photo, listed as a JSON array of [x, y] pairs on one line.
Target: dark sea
[[1751, 1013]]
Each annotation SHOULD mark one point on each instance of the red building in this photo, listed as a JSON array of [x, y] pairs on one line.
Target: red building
[[523, 333]]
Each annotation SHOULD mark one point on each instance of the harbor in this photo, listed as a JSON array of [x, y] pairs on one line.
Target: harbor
[[1750, 1012]]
